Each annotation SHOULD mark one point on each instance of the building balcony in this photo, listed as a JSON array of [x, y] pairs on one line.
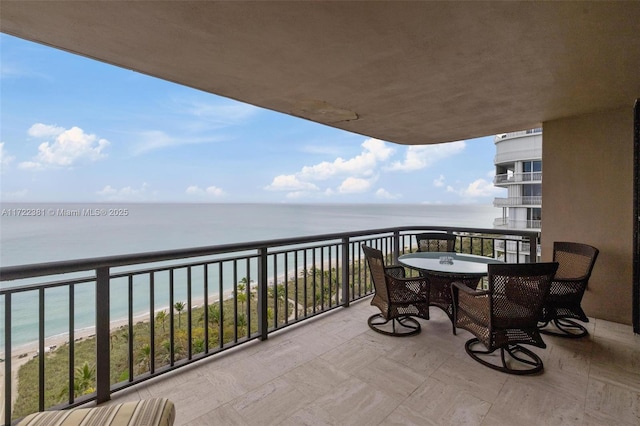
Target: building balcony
[[519, 134], [517, 178], [296, 347], [506, 223], [334, 370], [518, 201]]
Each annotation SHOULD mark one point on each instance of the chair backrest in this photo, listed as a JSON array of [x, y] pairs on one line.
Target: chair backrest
[[518, 290], [375, 259], [576, 260], [436, 241]]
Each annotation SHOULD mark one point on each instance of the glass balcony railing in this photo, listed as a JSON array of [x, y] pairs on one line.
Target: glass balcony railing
[[506, 223], [512, 178], [517, 201], [98, 326]]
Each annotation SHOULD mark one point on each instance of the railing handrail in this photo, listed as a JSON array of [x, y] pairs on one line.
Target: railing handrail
[[10, 273]]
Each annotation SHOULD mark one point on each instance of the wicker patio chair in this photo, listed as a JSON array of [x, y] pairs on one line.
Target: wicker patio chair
[[440, 285], [398, 298], [563, 304], [436, 241], [505, 316]]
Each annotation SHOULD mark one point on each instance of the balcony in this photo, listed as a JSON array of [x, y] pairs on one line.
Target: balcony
[[296, 347], [334, 370], [519, 134], [517, 201], [515, 178], [506, 223]]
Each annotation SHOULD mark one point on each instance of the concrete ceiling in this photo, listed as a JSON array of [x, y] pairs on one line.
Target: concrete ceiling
[[404, 72]]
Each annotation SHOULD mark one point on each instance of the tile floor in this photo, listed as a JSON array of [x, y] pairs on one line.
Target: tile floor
[[334, 370]]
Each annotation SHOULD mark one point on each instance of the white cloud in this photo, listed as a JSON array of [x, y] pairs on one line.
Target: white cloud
[[352, 185], [290, 183], [69, 147], [439, 182], [363, 164], [127, 193], [212, 190], [14, 196], [422, 156], [227, 113], [155, 139], [40, 130], [356, 174], [5, 158], [30, 165], [477, 189], [386, 195]]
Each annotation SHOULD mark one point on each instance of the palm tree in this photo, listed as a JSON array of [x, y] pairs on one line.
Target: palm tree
[[84, 379], [214, 314], [242, 321], [179, 306], [241, 294], [161, 316], [145, 353]]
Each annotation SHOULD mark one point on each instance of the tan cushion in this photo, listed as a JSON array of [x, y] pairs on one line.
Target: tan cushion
[[147, 412]]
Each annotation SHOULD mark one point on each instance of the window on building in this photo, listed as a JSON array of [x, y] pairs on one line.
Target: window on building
[[533, 190], [532, 166], [532, 170], [534, 214]]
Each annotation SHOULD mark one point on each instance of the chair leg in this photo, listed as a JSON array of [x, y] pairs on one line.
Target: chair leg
[[530, 363], [400, 326], [567, 328]]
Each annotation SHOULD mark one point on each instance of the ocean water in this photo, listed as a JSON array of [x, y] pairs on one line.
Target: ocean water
[[36, 233], [150, 227]]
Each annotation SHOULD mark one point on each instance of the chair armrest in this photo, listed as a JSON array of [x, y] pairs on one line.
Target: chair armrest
[[404, 289], [469, 291], [395, 271]]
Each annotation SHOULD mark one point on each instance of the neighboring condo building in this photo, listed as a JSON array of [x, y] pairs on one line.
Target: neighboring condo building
[[518, 164]]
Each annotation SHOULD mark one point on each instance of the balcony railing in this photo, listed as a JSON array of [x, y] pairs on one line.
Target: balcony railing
[[152, 313], [510, 135], [517, 201], [509, 178], [506, 223]]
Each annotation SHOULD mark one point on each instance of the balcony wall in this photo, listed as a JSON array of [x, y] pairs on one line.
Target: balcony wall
[[588, 197], [517, 201]]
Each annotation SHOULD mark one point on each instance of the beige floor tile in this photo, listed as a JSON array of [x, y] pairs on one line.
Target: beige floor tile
[[522, 402], [334, 370], [352, 355], [440, 403], [350, 403], [608, 401], [224, 415], [422, 358], [271, 403], [615, 331], [316, 378], [391, 377], [616, 362], [472, 377]]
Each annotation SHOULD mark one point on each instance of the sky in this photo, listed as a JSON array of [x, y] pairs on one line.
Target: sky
[[78, 130]]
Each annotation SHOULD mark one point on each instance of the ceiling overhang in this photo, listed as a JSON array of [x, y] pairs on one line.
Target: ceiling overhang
[[404, 72]]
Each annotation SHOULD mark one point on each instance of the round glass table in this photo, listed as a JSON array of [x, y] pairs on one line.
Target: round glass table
[[443, 268], [457, 265]]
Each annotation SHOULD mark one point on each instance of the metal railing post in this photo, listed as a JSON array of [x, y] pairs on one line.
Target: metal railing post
[[346, 271], [533, 249], [263, 321], [7, 362], [396, 246], [103, 356]]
